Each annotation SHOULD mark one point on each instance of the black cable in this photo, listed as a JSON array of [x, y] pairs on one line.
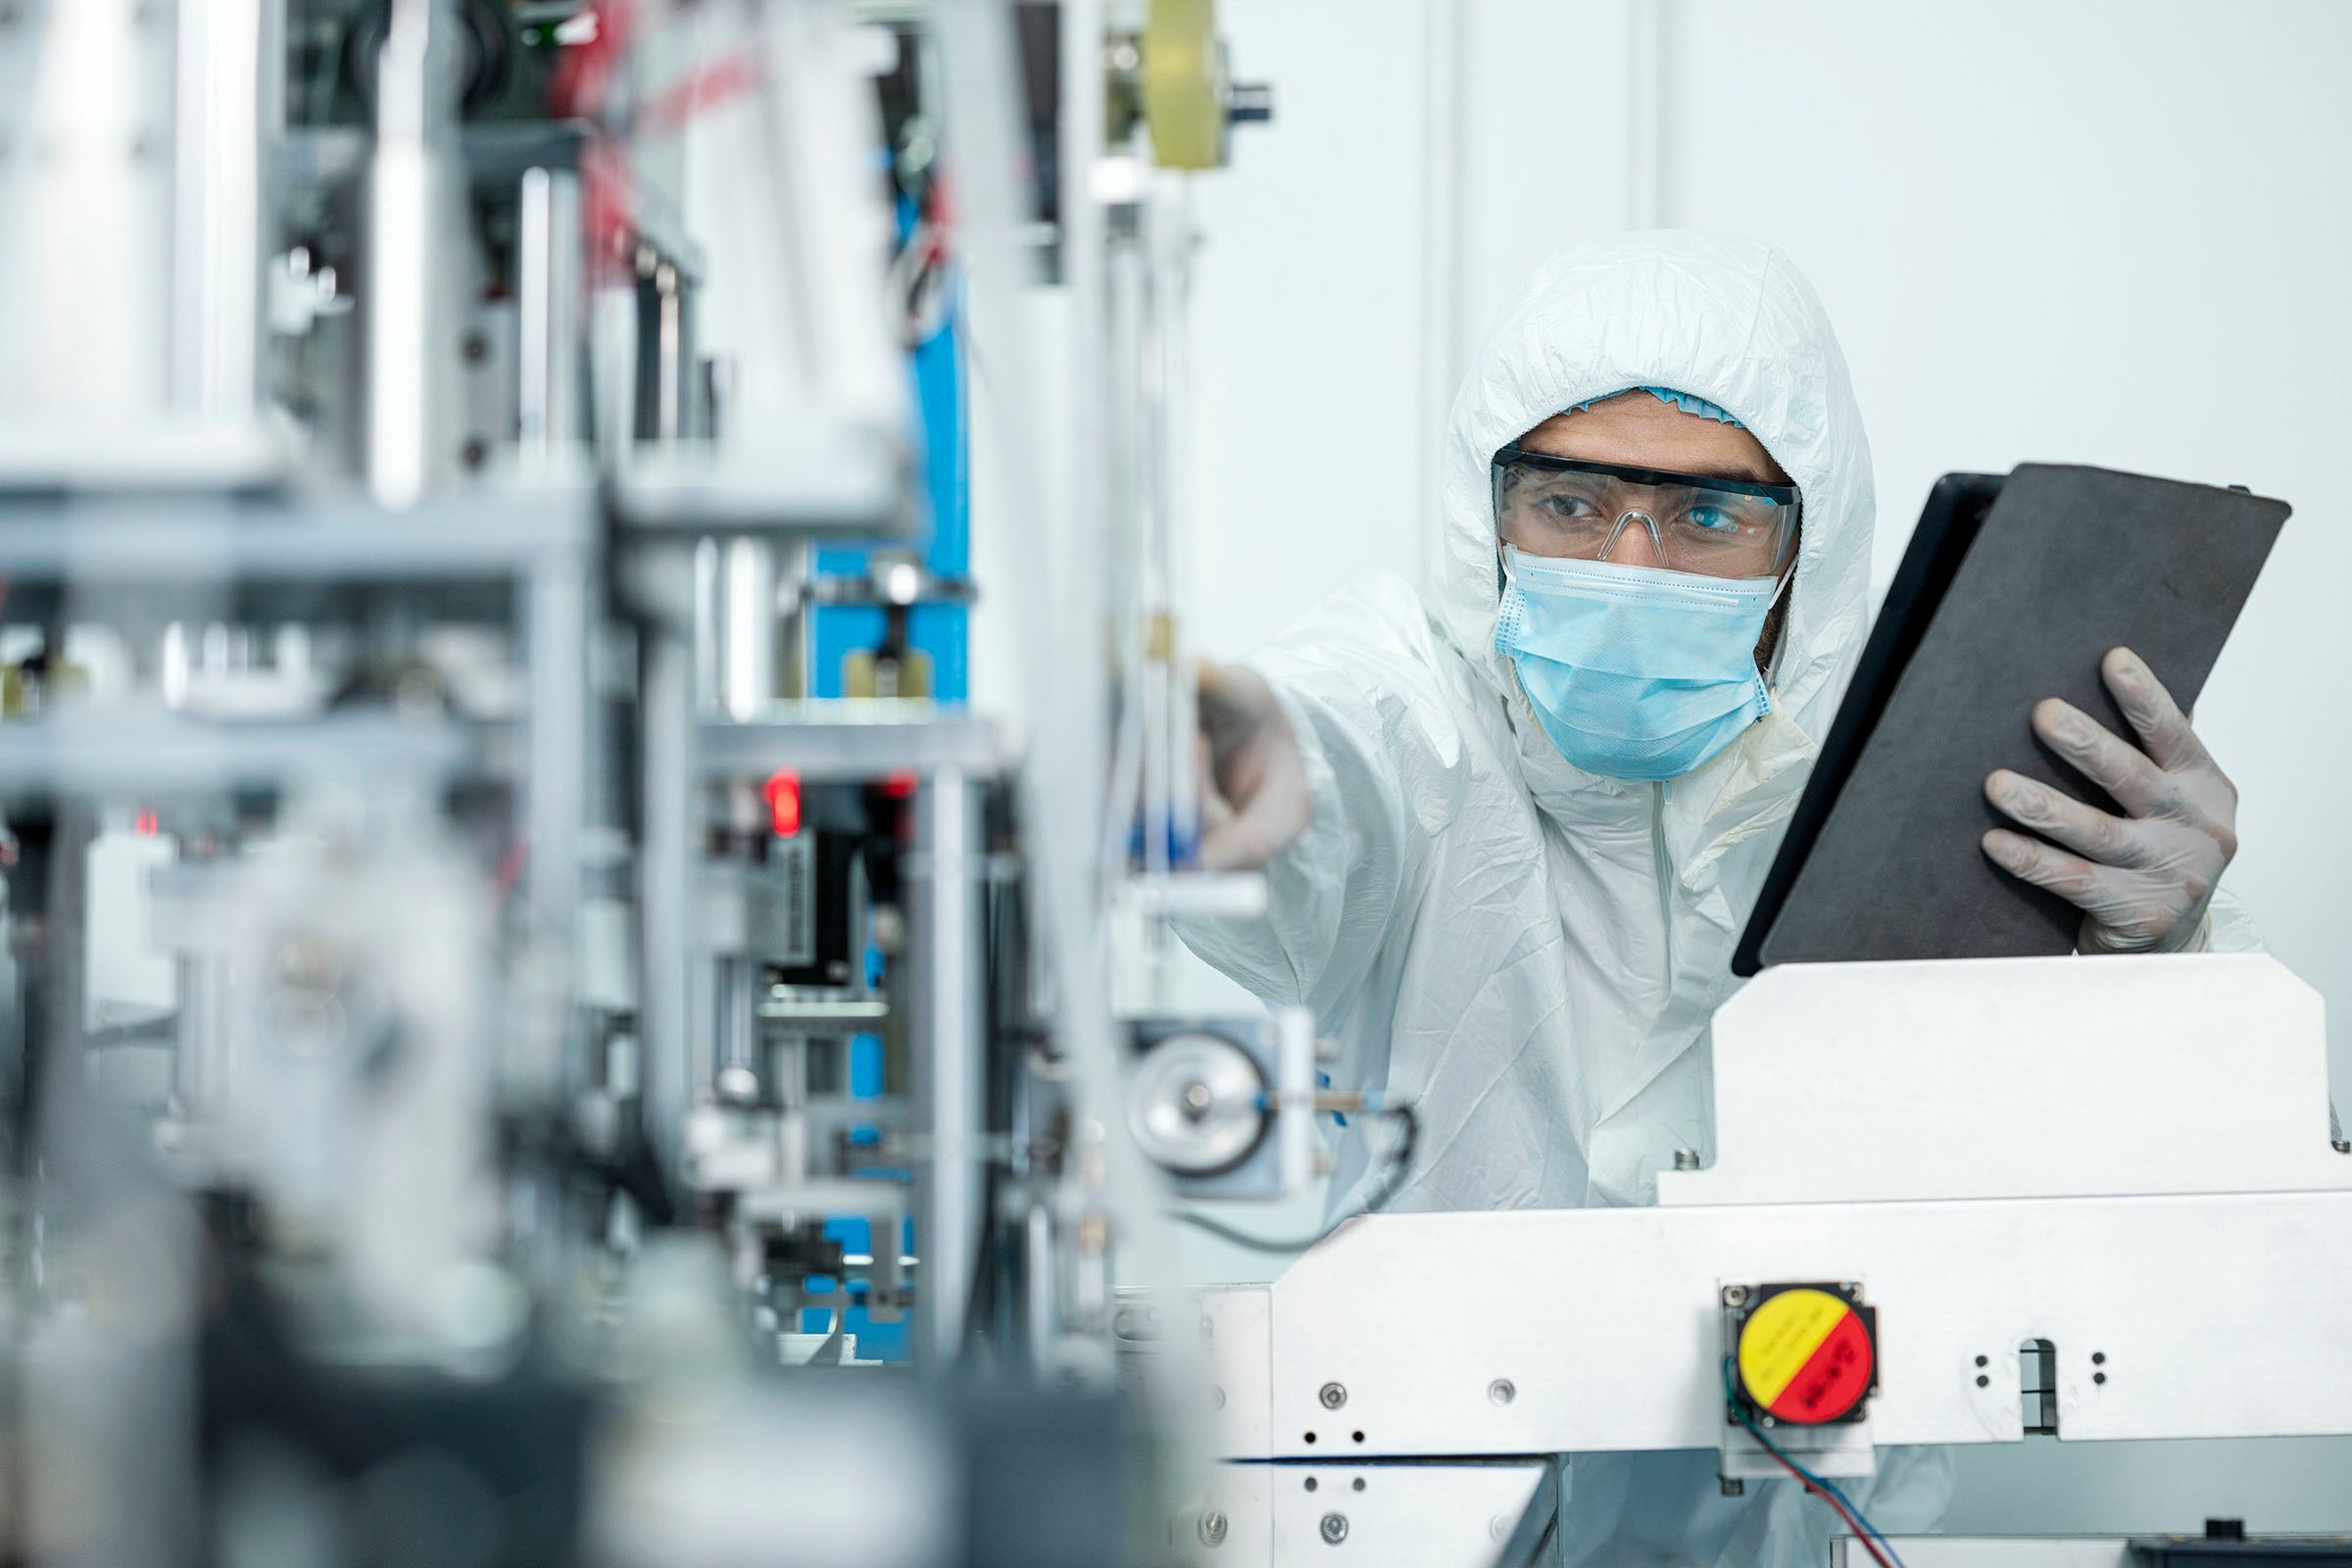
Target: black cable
[[1399, 1163], [981, 1290]]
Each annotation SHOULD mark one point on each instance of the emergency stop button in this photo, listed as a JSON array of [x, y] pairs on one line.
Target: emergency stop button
[[1808, 1354]]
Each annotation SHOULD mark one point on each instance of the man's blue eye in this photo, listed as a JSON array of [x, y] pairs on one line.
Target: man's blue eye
[[1715, 519]]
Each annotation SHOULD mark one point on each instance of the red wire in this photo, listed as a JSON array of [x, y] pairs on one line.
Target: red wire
[[509, 869], [705, 88], [584, 75], [1838, 1508], [582, 88]]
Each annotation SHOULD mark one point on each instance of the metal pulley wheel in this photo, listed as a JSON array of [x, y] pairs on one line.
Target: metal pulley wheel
[[1195, 1104]]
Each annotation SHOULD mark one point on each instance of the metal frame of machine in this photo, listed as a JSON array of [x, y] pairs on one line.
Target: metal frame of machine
[[569, 1018]]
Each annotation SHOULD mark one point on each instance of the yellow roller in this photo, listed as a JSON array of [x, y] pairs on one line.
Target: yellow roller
[[1184, 103]]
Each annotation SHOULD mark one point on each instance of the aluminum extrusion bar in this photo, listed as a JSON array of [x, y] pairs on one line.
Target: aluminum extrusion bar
[[849, 740], [156, 755], [837, 483], [488, 534]]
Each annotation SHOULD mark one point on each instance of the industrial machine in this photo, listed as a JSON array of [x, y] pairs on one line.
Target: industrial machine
[[2066, 1214], [540, 1023]]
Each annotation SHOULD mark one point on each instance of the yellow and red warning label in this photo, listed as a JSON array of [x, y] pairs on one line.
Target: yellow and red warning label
[[1805, 1356]]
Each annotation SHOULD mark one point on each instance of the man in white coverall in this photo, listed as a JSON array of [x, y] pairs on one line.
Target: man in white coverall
[[1513, 826]]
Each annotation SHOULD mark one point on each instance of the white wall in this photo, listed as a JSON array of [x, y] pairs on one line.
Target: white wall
[[1305, 310], [2109, 232], [2106, 232]]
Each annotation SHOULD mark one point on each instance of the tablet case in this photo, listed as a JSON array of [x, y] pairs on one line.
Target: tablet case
[[2010, 591]]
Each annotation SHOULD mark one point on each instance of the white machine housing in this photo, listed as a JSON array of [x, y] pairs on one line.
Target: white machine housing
[[2128, 1159]]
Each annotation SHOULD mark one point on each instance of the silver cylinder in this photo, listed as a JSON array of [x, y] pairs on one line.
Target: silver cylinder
[[735, 1018], [666, 868], [951, 1085], [202, 1065], [407, 286], [227, 113], [749, 655], [549, 282]]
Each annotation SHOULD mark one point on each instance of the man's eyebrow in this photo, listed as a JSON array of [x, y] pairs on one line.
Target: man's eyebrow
[[1744, 473]]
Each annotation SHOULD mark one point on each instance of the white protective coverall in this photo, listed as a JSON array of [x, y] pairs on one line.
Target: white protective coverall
[[1530, 955]]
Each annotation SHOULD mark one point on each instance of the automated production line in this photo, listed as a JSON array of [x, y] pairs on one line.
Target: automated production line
[[607, 1056]]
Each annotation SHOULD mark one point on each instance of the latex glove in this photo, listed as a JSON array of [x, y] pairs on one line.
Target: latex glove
[[1254, 796], [2143, 880]]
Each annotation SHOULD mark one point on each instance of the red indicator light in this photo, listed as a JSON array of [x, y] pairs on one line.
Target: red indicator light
[[783, 792], [900, 786], [148, 824]]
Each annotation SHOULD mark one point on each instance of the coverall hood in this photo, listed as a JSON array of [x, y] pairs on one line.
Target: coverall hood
[[1731, 321]]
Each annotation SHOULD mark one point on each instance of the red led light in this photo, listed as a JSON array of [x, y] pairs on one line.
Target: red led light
[[783, 792], [148, 824], [900, 786]]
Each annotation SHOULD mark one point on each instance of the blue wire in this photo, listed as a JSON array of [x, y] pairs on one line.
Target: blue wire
[[1731, 1393], [1860, 1518]]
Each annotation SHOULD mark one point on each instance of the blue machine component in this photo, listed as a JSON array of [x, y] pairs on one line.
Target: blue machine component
[[876, 1341], [865, 1066], [939, 630]]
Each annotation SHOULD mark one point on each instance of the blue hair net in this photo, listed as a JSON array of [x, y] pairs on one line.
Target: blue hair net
[[1681, 400]]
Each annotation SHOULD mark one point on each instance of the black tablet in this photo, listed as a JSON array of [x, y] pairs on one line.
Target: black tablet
[[2012, 590]]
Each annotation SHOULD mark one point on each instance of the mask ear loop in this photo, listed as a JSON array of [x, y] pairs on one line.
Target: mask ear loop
[[1781, 642]]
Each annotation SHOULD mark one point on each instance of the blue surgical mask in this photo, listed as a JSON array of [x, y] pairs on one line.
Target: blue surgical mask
[[1636, 673]]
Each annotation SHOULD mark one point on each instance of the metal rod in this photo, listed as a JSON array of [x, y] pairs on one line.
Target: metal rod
[[666, 891], [669, 326], [406, 405], [555, 800], [203, 1061], [223, 114], [735, 1022], [547, 284], [749, 666], [949, 1038], [796, 577]]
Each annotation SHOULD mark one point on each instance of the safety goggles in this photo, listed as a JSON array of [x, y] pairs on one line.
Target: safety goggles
[[1567, 508]]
